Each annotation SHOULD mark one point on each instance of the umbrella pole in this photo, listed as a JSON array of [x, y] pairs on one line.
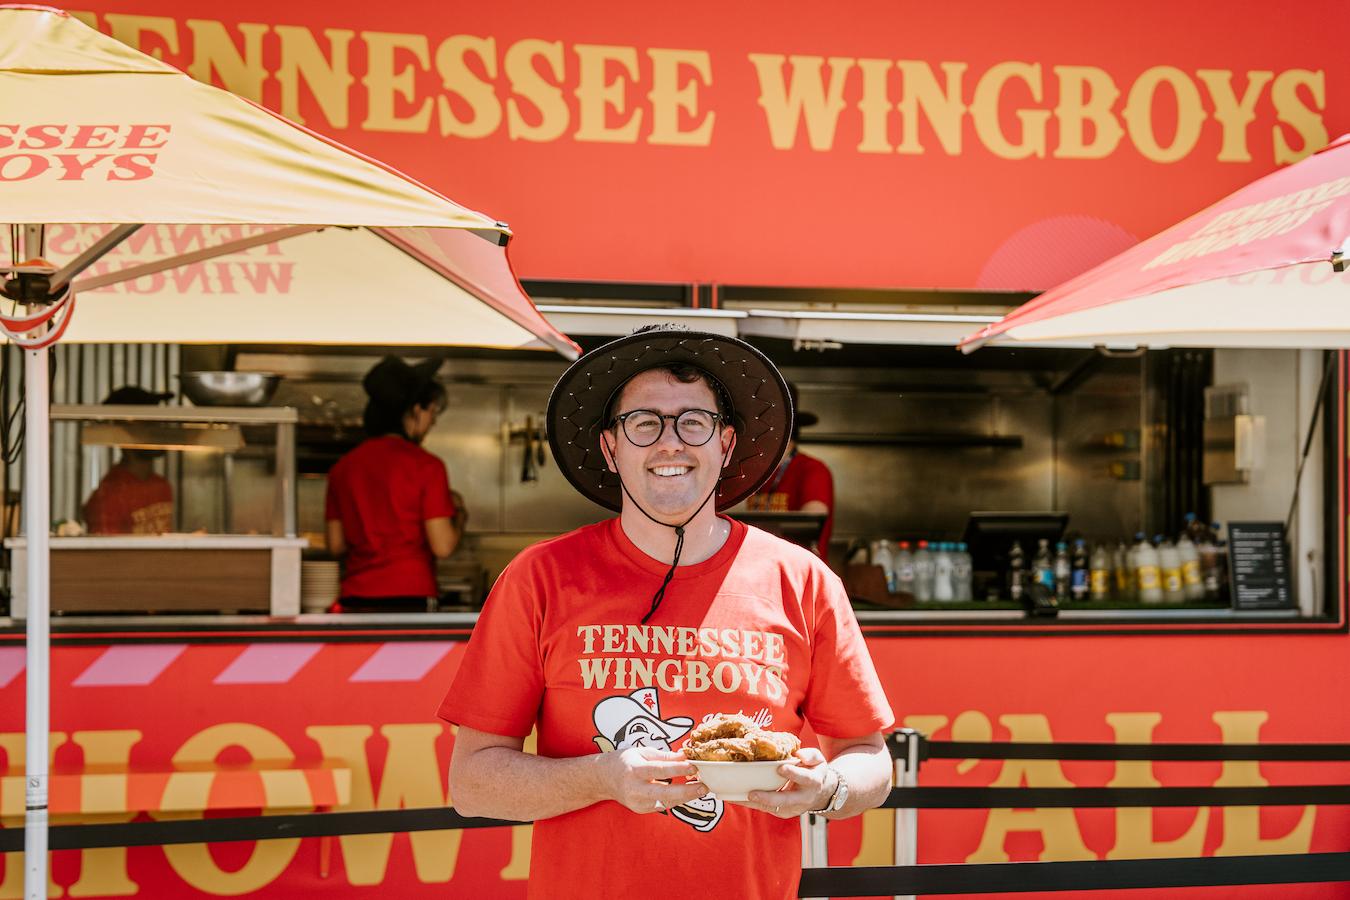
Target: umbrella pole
[[37, 518]]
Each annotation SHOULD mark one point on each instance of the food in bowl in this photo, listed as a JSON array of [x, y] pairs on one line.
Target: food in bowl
[[734, 756], [736, 738]]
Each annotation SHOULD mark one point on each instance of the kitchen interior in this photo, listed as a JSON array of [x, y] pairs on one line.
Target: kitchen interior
[[917, 435]]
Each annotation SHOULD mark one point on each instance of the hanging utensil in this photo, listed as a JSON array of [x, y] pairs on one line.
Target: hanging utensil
[[539, 442], [528, 472]]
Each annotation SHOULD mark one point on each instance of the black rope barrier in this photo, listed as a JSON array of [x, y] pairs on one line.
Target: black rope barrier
[[1095, 797], [1013, 878], [261, 828], [1155, 752], [248, 828]]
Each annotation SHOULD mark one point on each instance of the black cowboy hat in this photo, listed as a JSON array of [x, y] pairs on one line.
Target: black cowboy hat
[[751, 386]]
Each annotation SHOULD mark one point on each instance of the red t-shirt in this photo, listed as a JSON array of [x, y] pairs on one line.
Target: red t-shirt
[[383, 492], [125, 504], [762, 627], [805, 479]]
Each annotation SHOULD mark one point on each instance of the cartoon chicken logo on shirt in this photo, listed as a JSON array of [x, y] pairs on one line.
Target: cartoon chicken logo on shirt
[[634, 720]]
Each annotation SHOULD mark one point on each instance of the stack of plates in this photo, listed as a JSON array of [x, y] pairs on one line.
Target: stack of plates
[[319, 583]]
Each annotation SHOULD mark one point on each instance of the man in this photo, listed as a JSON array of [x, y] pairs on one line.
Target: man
[[622, 635], [801, 483], [132, 498]]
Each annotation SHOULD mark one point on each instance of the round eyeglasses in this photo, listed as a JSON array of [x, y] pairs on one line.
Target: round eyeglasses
[[644, 427]]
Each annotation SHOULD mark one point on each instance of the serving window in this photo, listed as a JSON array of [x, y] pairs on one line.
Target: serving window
[[1071, 486]]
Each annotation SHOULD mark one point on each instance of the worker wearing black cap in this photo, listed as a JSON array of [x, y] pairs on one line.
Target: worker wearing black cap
[[620, 636], [801, 483], [132, 498], [390, 511]]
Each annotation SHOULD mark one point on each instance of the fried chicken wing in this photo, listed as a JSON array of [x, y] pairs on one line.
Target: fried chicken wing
[[773, 744], [736, 738], [718, 727], [724, 750]]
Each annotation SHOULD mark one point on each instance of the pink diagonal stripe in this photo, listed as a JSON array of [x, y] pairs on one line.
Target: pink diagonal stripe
[[11, 664], [138, 664], [268, 663], [403, 661]]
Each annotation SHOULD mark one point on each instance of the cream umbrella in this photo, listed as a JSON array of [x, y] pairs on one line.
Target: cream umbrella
[[100, 141]]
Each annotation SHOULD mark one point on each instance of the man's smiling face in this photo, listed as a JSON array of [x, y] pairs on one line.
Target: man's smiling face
[[669, 479]]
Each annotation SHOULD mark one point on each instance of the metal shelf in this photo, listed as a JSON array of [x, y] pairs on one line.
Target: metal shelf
[[1008, 441]]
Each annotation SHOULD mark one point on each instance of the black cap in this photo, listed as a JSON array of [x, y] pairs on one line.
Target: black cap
[[801, 418], [130, 395], [394, 383]]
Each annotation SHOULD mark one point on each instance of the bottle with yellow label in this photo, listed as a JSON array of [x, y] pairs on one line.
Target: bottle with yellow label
[[1148, 572], [1122, 565], [1099, 577], [1169, 560], [1192, 576]]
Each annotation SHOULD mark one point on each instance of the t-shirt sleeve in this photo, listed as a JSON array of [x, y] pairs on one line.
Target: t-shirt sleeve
[[500, 682], [817, 484], [436, 500], [845, 698]]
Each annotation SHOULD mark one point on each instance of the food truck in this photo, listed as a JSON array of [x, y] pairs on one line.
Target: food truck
[[854, 197]]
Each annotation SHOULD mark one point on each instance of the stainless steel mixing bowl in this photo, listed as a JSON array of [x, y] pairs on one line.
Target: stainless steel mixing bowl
[[229, 388]]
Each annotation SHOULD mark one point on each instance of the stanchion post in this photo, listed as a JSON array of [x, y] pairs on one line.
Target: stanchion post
[[815, 842], [907, 746]]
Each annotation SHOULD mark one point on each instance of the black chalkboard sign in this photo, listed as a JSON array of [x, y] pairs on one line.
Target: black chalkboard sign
[[1258, 566]]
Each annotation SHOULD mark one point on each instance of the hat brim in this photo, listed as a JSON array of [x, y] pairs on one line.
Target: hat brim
[[757, 392]]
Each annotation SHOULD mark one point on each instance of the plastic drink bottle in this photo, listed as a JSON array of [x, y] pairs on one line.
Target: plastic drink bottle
[[1043, 566], [1078, 572], [1123, 573], [943, 591], [1063, 571], [962, 574], [1192, 580], [903, 561], [882, 556], [923, 573], [1099, 575], [1169, 560], [1017, 572], [1192, 528], [1148, 575]]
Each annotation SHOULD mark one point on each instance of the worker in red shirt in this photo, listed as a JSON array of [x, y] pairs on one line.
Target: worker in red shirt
[[801, 483], [132, 498], [390, 511]]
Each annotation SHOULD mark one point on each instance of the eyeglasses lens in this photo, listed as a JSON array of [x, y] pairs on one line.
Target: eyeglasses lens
[[694, 427]]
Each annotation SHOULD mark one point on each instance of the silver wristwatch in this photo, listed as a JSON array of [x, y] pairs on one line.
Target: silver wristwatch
[[840, 795]]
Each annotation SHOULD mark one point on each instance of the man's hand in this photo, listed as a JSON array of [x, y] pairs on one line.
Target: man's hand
[[633, 777], [809, 787]]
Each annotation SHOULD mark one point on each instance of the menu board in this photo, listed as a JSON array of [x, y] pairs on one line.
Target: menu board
[[1259, 566]]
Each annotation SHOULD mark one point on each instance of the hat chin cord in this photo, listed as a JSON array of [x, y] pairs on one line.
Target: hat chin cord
[[679, 537]]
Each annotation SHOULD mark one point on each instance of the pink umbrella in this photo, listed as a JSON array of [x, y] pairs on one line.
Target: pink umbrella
[[1264, 267]]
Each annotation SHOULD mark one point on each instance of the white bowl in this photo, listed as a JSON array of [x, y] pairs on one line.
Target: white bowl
[[733, 780]]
